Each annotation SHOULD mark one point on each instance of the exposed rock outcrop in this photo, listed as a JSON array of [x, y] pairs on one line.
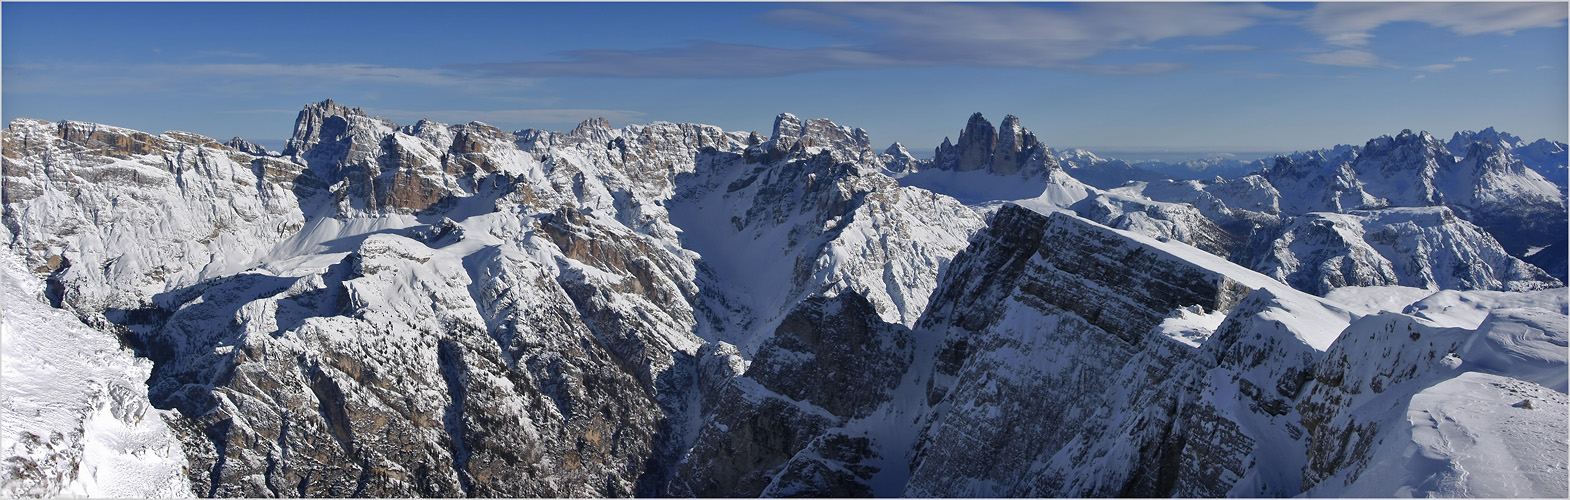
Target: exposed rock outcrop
[[1006, 150]]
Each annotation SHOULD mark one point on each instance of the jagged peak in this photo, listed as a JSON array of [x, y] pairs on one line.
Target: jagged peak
[[786, 125], [329, 108], [1488, 152], [897, 150], [244, 146], [1460, 142], [1404, 140], [1545, 143], [308, 124], [792, 135], [1004, 150], [591, 125], [594, 130], [1011, 128], [335, 119]]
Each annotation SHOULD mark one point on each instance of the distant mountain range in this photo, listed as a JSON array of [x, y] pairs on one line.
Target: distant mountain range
[[673, 309]]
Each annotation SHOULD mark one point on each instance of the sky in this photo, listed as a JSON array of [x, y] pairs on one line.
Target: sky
[[1199, 77]]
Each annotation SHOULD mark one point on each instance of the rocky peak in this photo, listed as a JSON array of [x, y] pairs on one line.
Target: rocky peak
[[246, 147], [1490, 155], [945, 156], [1386, 142], [793, 136], [786, 128], [1013, 146], [897, 150], [976, 143], [1407, 151], [1546, 146], [593, 131], [1460, 141], [320, 121], [434, 132], [900, 159], [1006, 150], [1547, 158]]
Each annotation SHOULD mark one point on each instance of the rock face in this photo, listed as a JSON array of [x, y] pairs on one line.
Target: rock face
[[1025, 327], [112, 216], [672, 309], [831, 360], [835, 353], [246, 147], [1006, 150]]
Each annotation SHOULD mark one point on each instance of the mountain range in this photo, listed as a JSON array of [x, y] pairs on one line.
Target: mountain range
[[677, 310]]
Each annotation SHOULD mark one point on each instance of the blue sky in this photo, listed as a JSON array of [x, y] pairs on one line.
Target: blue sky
[[1109, 76]]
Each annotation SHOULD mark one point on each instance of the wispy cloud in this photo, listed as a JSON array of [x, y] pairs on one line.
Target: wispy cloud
[[110, 79], [1347, 27], [1349, 57], [1348, 39], [696, 60], [1223, 48], [1545, 66], [920, 35], [519, 116], [1348, 24], [1499, 70]]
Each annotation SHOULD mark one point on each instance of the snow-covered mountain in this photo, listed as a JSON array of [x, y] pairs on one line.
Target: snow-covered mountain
[[75, 415], [1487, 185], [674, 309]]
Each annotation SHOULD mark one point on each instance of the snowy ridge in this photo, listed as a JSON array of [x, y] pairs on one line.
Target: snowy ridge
[[456, 264], [1501, 211], [673, 309], [1435, 410], [1420, 247], [137, 217], [74, 411]]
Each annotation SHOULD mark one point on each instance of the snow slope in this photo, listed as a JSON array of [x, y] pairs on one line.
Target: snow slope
[[74, 414], [672, 309], [1460, 395]]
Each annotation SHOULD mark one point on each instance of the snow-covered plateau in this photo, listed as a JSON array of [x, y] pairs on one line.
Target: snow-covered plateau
[[676, 310]]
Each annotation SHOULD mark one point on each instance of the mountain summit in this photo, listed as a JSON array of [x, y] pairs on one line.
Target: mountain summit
[[673, 309], [1007, 150]]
